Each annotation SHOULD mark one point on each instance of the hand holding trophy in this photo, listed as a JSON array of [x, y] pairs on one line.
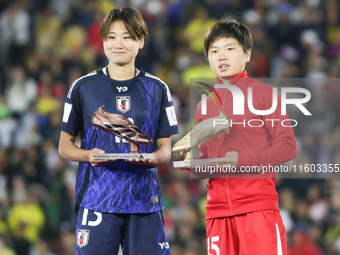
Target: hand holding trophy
[[122, 127], [199, 134]]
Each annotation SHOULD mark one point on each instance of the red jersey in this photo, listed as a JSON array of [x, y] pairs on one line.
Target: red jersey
[[271, 144]]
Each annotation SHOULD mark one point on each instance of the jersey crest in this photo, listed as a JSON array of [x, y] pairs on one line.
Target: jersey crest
[[123, 103], [83, 237]]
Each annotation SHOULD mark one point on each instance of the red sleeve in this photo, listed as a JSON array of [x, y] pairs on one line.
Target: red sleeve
[[283, 139]]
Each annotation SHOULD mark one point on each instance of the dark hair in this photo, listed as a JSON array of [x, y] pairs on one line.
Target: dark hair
[[132, 20], [229, 28]]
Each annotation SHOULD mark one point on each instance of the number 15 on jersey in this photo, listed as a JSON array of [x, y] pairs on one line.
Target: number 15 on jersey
[[211, 245]]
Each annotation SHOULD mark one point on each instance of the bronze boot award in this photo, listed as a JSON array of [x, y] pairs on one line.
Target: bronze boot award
[[199, 134], [123, 128]]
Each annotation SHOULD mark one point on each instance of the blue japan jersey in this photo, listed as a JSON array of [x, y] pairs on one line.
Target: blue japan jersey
[[119, 187]]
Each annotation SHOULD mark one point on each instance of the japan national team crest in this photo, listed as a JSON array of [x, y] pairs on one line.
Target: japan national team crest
[[123, 103], [83, 237]]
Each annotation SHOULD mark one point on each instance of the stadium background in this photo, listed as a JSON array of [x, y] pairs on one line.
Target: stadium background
[[46, 45]]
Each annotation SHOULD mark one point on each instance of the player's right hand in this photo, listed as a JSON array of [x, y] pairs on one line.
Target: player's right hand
[[98, 162]]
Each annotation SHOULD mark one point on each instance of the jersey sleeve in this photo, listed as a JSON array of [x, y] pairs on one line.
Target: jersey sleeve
[[72, 118], [167, 121]]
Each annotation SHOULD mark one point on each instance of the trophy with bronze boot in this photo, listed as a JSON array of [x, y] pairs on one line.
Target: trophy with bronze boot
[[123, 128]]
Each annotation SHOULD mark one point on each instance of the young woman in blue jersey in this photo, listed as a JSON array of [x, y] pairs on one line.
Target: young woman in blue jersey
[[119, 202]]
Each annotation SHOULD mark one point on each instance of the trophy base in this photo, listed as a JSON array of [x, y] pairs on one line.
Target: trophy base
[[123, 156], [190, 163]]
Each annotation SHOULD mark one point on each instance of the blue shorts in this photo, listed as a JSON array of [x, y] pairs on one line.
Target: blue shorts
[[138, 234]]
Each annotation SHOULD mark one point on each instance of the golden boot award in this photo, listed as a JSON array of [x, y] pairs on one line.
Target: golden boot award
[[199, 134]]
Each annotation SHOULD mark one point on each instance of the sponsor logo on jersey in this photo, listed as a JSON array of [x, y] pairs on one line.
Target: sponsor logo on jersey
[[123, 103], [122, 89], [164, 245], [83, 237]]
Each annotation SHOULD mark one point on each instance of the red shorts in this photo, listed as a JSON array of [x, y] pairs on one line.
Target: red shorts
[[255, 233]]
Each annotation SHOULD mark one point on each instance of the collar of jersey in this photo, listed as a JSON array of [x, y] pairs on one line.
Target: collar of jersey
[[104, 73], [244, 74], [235, 80]]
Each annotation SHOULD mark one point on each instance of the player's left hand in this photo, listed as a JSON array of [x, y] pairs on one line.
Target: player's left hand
[[230, 159]]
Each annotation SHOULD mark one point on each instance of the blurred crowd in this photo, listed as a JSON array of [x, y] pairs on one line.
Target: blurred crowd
[[46, 45]]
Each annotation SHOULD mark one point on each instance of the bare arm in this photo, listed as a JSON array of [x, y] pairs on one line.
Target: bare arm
[[161, 155], [68, 150]]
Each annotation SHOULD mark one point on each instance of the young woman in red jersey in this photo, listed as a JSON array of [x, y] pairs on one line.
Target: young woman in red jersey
[[243, 216]]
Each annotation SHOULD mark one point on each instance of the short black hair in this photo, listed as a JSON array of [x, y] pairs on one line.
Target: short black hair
[[229, 27], [132, 20]]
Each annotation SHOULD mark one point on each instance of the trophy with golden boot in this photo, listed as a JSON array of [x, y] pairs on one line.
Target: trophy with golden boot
[[199, 134]]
